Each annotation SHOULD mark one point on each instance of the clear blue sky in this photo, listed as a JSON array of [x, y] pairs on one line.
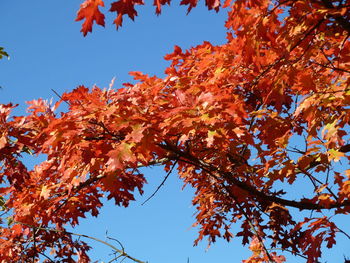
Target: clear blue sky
[[48, 52]]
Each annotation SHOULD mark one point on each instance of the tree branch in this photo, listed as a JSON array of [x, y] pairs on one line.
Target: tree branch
[[334, 68], [253, 191], [162, 183], [121, 252]]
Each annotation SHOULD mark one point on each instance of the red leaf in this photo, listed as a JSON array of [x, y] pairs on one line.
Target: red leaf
[[159, 3], [190, 3], [124, 8], [90, 12]]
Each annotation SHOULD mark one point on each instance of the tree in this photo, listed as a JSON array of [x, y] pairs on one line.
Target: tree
[[242, 123]]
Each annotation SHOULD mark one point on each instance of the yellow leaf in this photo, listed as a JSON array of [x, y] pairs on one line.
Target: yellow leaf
[[210, 138], [321, 188], [335, 155], [45, 192]]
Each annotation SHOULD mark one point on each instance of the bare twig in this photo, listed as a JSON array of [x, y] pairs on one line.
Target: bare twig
[[343, 232], [58, 95], [114, 239], [162, 183], [121, 252]]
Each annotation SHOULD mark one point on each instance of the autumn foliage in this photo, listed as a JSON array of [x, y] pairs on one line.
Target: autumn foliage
[[244, 123]]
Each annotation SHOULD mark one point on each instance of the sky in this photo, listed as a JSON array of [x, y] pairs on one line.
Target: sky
[[47, 52]]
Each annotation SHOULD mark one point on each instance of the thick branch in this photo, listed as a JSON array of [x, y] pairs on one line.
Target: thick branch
[[302, 205], [345, 148], [253, 191]]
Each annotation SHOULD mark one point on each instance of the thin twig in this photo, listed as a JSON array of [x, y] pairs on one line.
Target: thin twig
[[333, 67], [120, 243], [343, 232], [86, 236], [46, 257], [162, 183], [34, 244], [58, 95]]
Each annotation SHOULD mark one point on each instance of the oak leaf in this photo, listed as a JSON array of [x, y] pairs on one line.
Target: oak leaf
[[89, 10]]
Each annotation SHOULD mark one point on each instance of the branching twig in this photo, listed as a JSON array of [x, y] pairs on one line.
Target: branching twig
[[121, 252], [120, 243]]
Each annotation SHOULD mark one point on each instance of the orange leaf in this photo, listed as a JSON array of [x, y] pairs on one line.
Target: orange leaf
[[3, 142], [90, 12], [17, 230]]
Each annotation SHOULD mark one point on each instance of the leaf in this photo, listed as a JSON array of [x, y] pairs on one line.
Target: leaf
[[330, 129], [325, 199], [159, 3], [2, 203], [137, 133], [321, 188], [3, 141], [210, 138], [119, 157], [122, 8], [305, 161], [89, 10], [3, 53], [191, 4], [335, 155], [45, 192], [17, 230], [255, 246]]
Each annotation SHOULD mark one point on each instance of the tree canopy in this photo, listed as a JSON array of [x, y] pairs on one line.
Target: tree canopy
[[243, 123]]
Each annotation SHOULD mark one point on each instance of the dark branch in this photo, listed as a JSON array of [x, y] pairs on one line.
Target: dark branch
[[334, 68], [257, 193], [58, 95], [162, 183], [345, 148]]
